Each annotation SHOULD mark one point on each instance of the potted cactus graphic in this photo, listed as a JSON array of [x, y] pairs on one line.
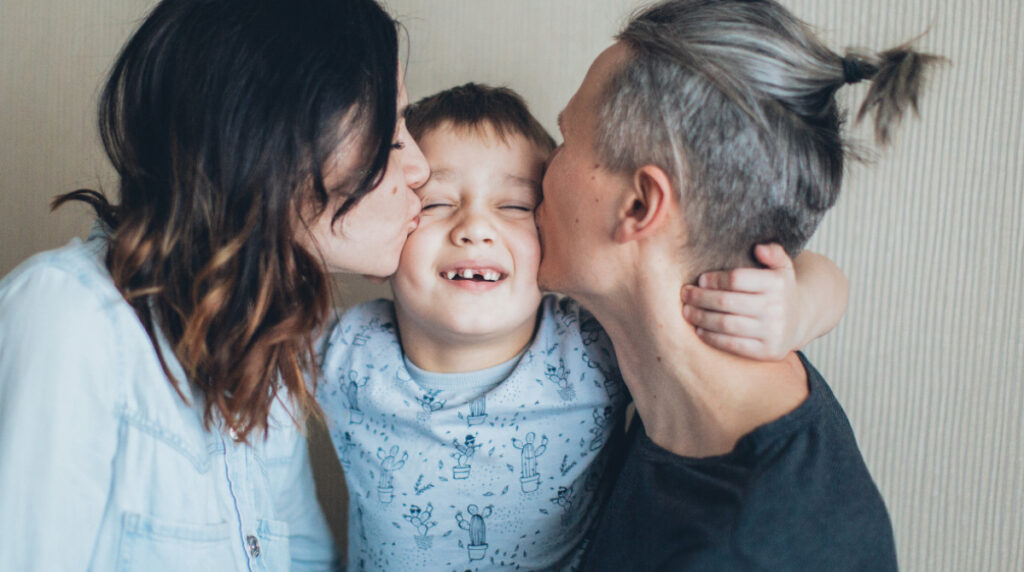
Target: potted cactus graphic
[[363, 335], [389, 463], [530, 479], [477, 530], [420, 518], [477, 411], [564, 499], [560, 377], [429, 403], [462, 454], [345, 450], [352, 393]]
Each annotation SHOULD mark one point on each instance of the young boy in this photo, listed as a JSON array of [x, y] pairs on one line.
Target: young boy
[[474, 417]]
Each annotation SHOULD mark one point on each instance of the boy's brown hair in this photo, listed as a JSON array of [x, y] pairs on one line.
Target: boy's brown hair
[[474, 106]]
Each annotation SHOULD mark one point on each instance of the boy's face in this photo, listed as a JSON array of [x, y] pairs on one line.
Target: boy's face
[[469, 271]]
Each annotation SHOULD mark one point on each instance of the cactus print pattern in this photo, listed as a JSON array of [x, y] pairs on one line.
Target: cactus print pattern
[[466, 476]]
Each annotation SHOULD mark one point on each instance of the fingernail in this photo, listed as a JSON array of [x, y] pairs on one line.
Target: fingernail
[[702, 281]]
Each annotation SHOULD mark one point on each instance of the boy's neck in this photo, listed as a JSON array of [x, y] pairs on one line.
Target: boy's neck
[[450, 352]]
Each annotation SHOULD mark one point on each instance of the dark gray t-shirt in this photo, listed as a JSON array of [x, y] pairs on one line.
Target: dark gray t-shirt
[[793, 495]]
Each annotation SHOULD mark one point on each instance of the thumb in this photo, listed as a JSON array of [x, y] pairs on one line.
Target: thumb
[[773, 256]]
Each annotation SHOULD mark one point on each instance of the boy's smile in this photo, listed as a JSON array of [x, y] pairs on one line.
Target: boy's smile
[[473, 274], [468, 275]]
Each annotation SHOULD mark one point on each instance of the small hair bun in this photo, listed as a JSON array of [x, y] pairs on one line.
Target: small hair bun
[[853, 71]]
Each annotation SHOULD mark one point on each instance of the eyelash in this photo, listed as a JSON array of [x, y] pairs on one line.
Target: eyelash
[[398, 145]]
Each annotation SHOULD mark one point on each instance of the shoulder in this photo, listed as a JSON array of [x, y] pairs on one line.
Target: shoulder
[[364, 332], [565, 322], [62, 329], [566, 318], [812, 482], [785, 507], [61, 294], [363, 320]]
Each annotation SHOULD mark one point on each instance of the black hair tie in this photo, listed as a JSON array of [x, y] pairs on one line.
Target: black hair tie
[[853, 72]]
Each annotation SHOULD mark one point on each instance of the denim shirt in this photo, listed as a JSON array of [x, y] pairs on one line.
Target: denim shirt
[[104, 467]]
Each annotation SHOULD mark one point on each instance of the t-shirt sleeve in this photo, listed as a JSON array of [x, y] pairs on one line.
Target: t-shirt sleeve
[[58, 428]]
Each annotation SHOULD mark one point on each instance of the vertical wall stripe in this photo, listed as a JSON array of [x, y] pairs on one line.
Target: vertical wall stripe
[[936, 295]]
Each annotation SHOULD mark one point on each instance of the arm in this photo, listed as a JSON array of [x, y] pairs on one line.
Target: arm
[[295, 501], [58, 429], [766, 313]]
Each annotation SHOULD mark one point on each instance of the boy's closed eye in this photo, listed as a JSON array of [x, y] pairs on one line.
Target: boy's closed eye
[[519, 207], [436, 205]]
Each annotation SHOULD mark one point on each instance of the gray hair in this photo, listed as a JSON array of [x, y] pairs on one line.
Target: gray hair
[[735, 100]]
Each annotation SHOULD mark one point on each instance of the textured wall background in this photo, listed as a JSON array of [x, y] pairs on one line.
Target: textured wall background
[[929, 360]]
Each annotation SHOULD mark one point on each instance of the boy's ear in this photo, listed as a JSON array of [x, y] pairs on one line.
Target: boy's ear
[[646, 206]]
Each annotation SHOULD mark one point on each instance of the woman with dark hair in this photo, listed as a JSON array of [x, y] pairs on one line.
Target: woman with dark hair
[[153, 378]]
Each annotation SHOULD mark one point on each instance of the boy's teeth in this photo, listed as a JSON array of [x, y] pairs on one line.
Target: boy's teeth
[[470, 274]]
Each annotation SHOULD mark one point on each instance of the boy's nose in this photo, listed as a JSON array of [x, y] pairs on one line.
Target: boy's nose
[[472, 229]]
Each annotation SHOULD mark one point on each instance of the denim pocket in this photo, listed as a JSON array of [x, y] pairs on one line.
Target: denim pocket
[[275, 551], [149, 543]]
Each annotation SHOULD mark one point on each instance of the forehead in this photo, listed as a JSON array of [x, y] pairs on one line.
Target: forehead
[[480, 154], [462, 145], [483, 133]]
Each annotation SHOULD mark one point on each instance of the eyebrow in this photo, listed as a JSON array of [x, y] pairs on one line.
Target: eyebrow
[[531, 184], [442, 174], [524, 181]]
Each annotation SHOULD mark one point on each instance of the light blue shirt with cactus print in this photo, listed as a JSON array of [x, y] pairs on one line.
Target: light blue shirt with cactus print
[[465, 472]]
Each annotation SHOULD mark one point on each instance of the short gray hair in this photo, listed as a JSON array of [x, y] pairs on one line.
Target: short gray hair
[[735, 100]]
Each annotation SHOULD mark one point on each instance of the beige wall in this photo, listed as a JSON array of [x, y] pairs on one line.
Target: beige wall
[[929, 360]]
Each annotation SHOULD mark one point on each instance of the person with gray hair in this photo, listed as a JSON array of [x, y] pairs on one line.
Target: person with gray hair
[[708, 128]]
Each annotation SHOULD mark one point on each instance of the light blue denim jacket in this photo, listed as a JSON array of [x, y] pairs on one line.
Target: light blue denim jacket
[[104, 467]]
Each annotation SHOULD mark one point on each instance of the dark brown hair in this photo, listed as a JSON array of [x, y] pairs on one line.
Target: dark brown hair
[[219, 117], [474, 106]]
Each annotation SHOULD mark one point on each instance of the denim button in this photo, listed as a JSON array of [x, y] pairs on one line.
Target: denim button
[[254, 545]]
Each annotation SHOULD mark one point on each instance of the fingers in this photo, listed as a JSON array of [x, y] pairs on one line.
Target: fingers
[[744, 347], [723, 301], [750, 280], [772, 256], [731, 325]]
